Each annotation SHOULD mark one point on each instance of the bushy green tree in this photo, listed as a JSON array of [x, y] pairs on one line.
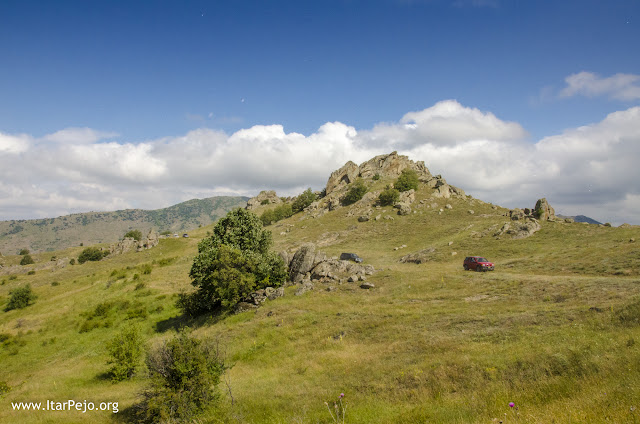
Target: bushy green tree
[[184, 374], [355, 193], [21, 298], [303, 200], [91, 254], [134, 234], [231, 263], [389, 197], [24, 252], [125, 351], [407, 180], [26, 260]]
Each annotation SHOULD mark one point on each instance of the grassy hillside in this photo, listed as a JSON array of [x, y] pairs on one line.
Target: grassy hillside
[[555, 329], [51, 234]]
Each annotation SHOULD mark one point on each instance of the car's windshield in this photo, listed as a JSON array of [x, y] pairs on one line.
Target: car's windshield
[[482, 260]]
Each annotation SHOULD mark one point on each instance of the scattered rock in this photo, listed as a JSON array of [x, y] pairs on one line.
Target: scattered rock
[[363, 218], [367, 286], [450, 243], [470, 211], [448, 206], [403, 208], [305, 287], [420, 257], [389, 217]]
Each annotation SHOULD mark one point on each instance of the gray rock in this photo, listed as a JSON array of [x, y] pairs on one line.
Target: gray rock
[[403, 208], [420, 257], [302, 262], [305, 287], [544, 211], [367, 286]]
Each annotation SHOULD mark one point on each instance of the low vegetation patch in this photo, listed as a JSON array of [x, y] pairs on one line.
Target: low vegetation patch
[[125, 351], [356, 192], [21, 298], [92, 254]]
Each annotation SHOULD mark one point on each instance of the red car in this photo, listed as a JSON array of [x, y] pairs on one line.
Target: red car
[[477, 263]]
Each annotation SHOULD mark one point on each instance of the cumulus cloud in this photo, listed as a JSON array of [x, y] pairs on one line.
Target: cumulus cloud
[[588, 170], [624, 87], [12, 144]]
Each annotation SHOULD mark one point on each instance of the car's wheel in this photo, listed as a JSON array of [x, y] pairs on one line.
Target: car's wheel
[[466, 267], [478, 268]]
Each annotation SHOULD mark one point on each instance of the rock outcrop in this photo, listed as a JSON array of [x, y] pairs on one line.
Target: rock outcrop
[[544, 211], [520, 229], [308, 265], [266, 197], [129, 244], [343, 176]]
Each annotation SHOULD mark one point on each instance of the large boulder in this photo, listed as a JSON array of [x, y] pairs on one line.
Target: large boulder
[[302, 262], [403, 208], [266, 197], [544, 211]]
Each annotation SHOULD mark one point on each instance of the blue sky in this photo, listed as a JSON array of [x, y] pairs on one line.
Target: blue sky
[[127, 80]]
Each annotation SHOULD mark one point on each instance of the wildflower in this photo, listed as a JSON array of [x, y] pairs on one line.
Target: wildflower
[[511, 404], [341, 395]]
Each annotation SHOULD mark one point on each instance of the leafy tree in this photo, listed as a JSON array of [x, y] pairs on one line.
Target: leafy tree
[[134, 234], [91, 254], [407, 180], [21, 298], [184, 374], [26, 260], [303, 200], [389, 197], [24, 252], [231, 263], [125, 350], [355, 193]]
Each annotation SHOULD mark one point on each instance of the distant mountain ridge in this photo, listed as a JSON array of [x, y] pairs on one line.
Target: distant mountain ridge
[[50, 234], [581, 218]]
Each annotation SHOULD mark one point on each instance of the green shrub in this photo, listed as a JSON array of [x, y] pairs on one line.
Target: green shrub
[[389, 197], [32, 272], [26, 260], [407, 180], [13, 277], [24, 252], [53, 258], [376, 177], [55, 283], [355, 193], [268, 217], [283, 211], [231, 263], [91, 254], [134, 234], [303, 200], [125, 351], [72, 261], [140, 285], [184, 374], [265, 202], [21, 298], [4, 388], [146, 269]]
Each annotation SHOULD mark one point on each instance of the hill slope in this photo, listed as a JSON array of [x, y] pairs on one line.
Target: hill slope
[[552, 330], [50, 234]]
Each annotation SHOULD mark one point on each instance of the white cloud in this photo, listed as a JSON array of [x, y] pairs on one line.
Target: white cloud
[[619, 86], [589, 170], [12, 144], [75, 135]]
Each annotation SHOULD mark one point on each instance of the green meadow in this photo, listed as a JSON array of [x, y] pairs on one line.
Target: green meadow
[[555, 329]]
